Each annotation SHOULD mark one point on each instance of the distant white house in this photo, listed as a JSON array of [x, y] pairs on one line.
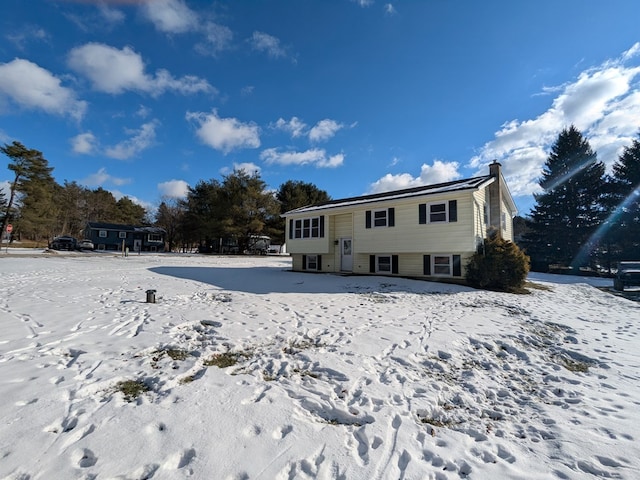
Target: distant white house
[[429, 231]]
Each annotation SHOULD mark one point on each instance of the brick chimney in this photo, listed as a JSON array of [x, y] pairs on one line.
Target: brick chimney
[[495, 198]]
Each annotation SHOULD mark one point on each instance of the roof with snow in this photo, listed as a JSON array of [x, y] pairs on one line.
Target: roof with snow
[[424, 190]]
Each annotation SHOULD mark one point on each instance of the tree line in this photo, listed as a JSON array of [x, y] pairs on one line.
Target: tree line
[[583, 216], [238, 207]]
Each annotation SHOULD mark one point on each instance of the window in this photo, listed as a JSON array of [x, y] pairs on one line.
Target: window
[[102, 233], [380, 218], [504, 221], [441, 265], [307, 228], [438, 212], [383, 263], [312, 262], [154, 237], [122, 234]]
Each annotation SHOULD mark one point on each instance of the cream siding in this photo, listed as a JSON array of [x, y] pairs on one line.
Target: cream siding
[[507, 232], [308, 245], [408, 235]]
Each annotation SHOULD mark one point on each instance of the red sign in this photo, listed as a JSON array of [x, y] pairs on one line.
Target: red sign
[[9, 228]]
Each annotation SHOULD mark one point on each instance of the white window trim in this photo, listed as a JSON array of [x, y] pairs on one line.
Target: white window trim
[[446, 212], [313, 231], [378, 270], [122, 234], [154, 237], [102, 233], [433, 265], [310, 260], [386, 218]]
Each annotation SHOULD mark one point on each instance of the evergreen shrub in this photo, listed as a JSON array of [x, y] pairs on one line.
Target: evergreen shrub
[[498, 264]]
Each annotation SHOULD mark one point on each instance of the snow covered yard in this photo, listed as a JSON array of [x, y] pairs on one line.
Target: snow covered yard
[[328, 377]]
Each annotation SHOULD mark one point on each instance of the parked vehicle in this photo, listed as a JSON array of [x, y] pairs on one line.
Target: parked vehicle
[[86, 245], [63, 242], [628, 275]]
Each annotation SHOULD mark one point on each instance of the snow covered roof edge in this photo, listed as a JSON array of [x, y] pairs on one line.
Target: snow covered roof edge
[[456, 185]]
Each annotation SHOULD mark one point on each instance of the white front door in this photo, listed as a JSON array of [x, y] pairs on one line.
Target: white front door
[[346, 254], [137, 245]]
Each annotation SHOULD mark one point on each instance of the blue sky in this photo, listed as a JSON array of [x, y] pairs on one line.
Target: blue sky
[[144, 98]]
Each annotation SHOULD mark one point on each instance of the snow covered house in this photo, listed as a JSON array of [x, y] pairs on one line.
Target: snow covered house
[[428, 231]]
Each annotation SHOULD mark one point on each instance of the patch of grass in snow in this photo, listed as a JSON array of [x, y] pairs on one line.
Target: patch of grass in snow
[[306, 373], [227, 359], [131, 389], [575, 366], [537, 286]]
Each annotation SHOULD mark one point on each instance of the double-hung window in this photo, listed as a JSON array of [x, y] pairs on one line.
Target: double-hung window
[[442, 265], [380, 218], [438, 212], [383, 263], [102, 233], [122, 234]]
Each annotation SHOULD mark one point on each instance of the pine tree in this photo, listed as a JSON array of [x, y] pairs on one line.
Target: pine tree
[[569, 209], [170, 216], [295, 194], [624, 219], [34, 186]]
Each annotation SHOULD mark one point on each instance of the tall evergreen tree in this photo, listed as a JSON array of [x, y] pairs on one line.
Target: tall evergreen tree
[[170, 216], [203, 213], [34, 186], [569, 209], [295, 194], [247, 205], [624, 219]]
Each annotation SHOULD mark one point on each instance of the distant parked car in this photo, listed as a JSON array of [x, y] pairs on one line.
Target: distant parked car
[[63, 243], [86, 245], [628, 275]]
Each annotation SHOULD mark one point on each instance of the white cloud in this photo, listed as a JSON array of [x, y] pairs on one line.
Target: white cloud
[[248, 167], [149, 207], [174, 189], [115, 71], [31, 86], [295, 127], [84, 143], [315, 156], [25, 34], [140, 140], [170, 16], [217, 38], [390, 9], [364, 3], [602, 102], [105, 18], [263, 42], [224, 134], [324, 130], [439, 172], [101, 177]]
